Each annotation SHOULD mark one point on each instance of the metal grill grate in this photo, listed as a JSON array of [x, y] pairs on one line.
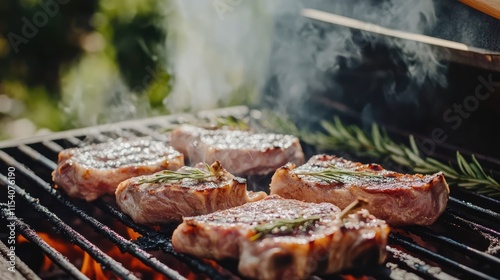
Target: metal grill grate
[[460, 245]]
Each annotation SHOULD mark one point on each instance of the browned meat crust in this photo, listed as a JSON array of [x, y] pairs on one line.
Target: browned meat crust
[[400, 199], [155, 203], [327, 246], [241, 152], [94, 170]]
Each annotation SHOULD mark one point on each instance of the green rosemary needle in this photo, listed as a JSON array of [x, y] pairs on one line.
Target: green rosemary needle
[[334, 174], [167, 176], [468, 174], [232, 122], [283, 226], [353, 207]]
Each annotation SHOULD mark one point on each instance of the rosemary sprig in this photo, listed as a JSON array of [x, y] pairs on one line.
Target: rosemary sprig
[[353, 207], [337, 136], [283, 226], [469, 175], [232, 122], [167, 176], [334, 174], [227, 122]]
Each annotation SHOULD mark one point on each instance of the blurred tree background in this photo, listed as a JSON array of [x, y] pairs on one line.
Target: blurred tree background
[[70, 63]]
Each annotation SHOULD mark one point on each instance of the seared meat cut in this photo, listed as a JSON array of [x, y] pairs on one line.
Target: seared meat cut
[[241, 152], [168, 196], [326, 245], [94, 170], [400, 199]]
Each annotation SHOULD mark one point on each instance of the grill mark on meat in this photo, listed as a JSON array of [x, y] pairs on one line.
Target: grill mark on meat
[[95, 170], [156, 203], [326, 247], [241, 152], [400, 199]]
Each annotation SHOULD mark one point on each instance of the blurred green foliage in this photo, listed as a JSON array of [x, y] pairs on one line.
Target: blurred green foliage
[[83, 63]]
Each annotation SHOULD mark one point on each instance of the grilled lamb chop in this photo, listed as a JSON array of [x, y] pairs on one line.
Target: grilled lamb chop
[[320, 241], [400, 199], [241, 152], [168, 196], [94, 170]]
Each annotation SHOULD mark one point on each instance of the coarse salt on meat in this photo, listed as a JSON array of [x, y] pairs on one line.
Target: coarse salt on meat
[[240, 152], [148, 201], [94, 170], [400, 199], [328, 246]]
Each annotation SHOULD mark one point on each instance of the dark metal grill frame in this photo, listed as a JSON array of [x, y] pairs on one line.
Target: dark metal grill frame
[[469, 212]]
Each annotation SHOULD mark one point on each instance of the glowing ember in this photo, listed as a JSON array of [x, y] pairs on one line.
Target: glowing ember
[[71, 251], [92, 269]]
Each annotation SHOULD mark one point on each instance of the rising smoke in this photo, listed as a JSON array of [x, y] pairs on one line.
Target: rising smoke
[[219, 54], [95, 94], [225, 52], [226, 47]]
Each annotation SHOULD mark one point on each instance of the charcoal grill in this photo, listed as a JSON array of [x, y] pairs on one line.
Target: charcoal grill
[[463, 244]]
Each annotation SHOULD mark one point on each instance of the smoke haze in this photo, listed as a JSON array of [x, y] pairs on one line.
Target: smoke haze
[[267, 46], [217, 51], [225, 52], [92, 97]]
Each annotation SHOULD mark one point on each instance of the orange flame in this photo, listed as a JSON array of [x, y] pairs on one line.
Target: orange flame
[[90, 267], [71, 251]]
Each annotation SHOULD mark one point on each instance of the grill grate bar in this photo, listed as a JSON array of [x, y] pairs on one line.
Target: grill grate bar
[[465, 212], [122, 243], [122, 217], [474, 253], [475, 208], [113, 134], [148, 131], [452, 217], [477, 199], [20, 267], [53, 146], [73, 140], [167, 248], [164, 244], [94, 136], [159, 239], [418, 266], [115, 213], [72, 235], [195, 263], [400, 240], [33, 237], [35, 155], [448, 149]]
